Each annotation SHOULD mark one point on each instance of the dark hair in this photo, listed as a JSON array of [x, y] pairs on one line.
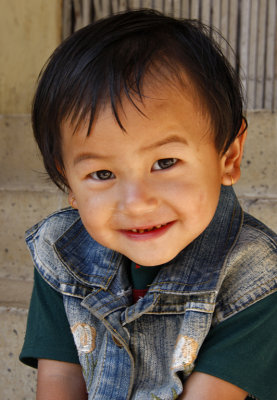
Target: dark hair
[[110, 58]]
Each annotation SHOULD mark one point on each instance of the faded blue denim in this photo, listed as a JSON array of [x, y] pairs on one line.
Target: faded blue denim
[[146, 350]]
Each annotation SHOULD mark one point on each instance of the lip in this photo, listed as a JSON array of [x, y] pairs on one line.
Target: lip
[[147, 234]]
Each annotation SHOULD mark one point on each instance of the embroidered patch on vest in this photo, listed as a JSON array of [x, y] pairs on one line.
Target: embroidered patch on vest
[[174, 394], [185, 352], [84, 336]]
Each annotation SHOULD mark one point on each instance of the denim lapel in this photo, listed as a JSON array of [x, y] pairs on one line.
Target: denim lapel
[[198, 267], [85, 259]]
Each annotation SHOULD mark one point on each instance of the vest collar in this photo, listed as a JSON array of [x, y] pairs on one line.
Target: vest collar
[[195, 269], [198, 267]]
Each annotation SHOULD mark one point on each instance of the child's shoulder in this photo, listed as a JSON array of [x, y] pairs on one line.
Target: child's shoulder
[[54, 225], [256, 245], [261, 232], [41, 239], [255, 251], [251, 268]]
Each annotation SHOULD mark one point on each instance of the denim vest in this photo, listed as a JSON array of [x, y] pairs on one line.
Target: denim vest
[[146, 350]]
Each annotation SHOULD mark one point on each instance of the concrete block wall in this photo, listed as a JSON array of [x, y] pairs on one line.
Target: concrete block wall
[[257, 188], [26, 196], [29, 32]]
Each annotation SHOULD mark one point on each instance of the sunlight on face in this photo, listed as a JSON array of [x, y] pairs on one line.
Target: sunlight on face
[[150, 191]]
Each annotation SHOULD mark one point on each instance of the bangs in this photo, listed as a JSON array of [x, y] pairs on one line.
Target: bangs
[[116, 73]]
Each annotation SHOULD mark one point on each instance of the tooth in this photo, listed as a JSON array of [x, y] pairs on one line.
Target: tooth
[[149, 229], [158, 226], [141, 230], [134, 230]]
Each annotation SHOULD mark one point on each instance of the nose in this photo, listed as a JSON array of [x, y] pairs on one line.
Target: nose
[[138, 198]]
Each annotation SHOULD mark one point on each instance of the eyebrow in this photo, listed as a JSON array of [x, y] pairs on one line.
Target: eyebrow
[[88, 156], [167, 140], [159, 143]]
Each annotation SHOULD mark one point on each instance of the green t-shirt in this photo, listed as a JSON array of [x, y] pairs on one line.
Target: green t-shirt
[[241, 350], [142, 276]]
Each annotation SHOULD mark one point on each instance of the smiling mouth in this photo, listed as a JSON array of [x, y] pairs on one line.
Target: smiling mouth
[[153, 228]]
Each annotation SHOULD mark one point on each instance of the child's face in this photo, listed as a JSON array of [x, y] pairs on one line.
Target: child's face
[[149, 192]]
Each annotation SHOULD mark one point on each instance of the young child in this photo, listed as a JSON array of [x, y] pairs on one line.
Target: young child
[[154, 284]]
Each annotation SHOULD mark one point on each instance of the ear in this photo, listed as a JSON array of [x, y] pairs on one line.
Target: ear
[[231, 159], [72, 201]]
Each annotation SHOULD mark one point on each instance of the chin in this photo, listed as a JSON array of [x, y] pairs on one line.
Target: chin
[[152, 261]]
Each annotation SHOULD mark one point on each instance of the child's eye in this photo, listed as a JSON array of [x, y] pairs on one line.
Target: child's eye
[[164, 163], [102, 175]]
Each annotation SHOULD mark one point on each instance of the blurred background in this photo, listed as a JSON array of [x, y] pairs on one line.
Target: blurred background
[[29, 31]]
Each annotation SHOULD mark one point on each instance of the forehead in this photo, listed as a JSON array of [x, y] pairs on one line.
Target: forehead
[[162, 100]]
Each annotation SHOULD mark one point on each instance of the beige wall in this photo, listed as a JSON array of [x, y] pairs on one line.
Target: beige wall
[[29, 32]]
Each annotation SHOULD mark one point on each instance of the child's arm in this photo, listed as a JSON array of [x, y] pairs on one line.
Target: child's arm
[[201, 386], [60, 381]]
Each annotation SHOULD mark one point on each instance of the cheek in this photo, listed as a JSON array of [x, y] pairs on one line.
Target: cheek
[[96, 222], [197, 202], [96, 212], [89, 209], [206, 205]]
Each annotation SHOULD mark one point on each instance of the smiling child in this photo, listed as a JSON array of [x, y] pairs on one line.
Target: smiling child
[[154, 284]]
